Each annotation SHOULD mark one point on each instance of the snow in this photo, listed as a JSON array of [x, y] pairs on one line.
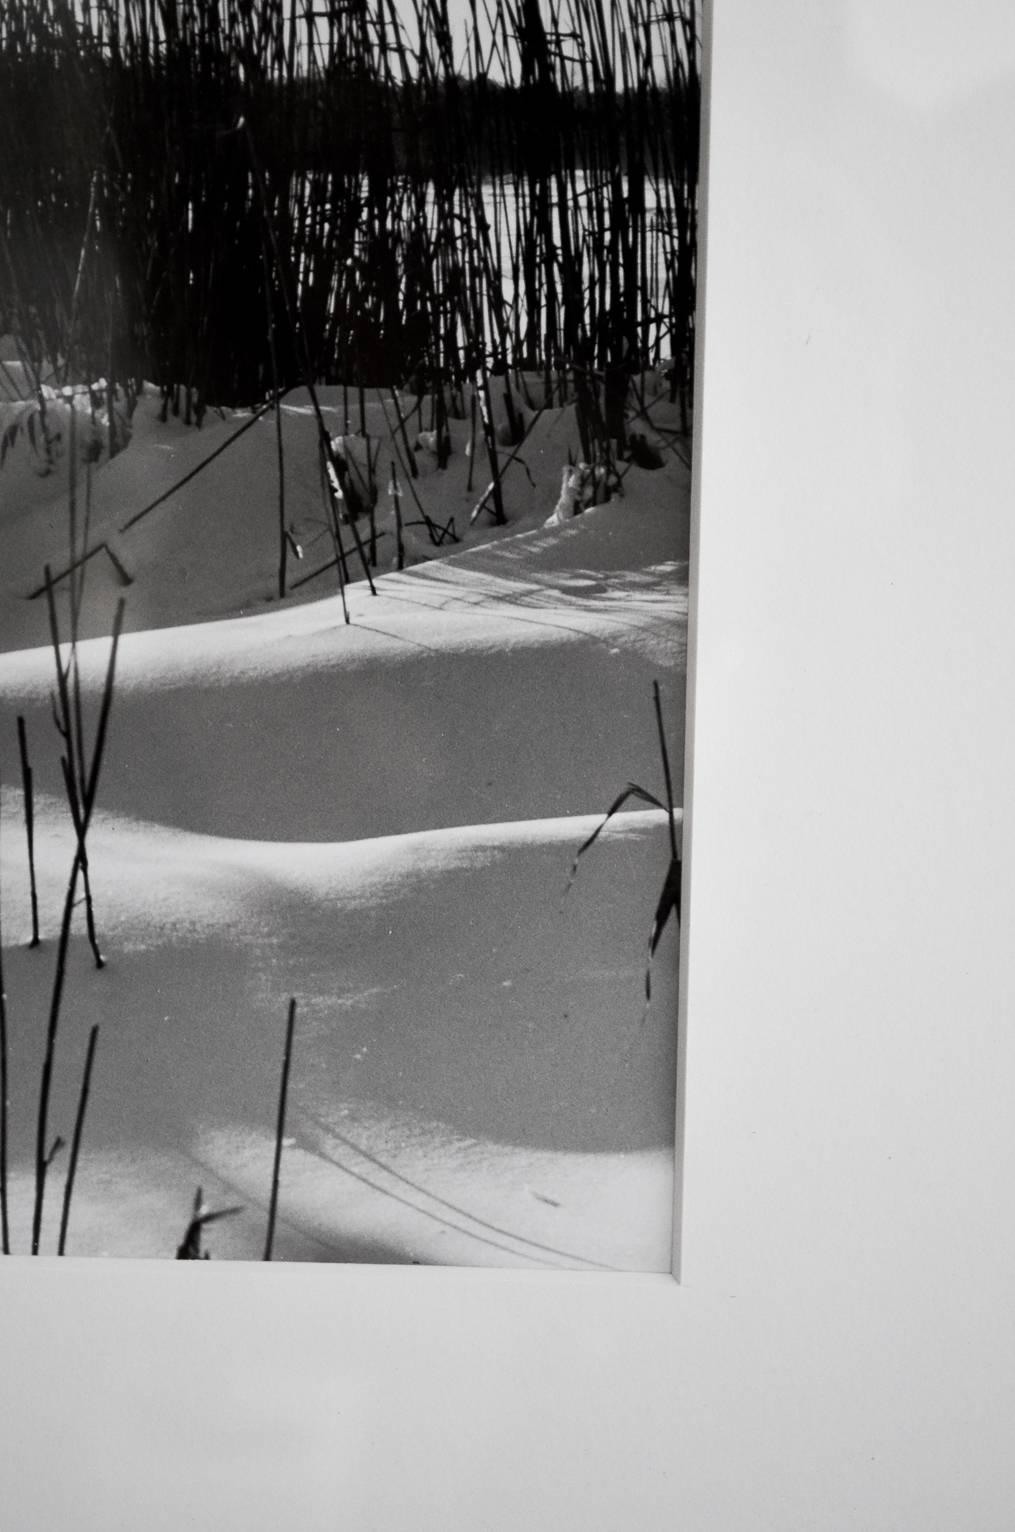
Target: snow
[[377, 817]]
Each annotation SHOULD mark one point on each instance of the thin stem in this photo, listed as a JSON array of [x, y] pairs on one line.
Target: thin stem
[[410, 456], [42, 1157], [79, 1124], [74, 801], [283, 540], [29, 799], [396, 497], [332, 497], [193, 473], [280, 1128], [666, 770]]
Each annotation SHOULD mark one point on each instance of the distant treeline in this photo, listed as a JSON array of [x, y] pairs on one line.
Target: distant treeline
[[513, 130], [226, 195]]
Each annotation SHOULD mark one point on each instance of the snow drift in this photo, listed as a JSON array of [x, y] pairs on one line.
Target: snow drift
[[377, 817]]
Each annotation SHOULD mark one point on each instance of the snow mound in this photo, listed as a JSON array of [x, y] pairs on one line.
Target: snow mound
[[377, 816]]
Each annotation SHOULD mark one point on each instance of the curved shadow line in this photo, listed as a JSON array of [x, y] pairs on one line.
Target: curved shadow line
[[398, 638], [414, 1207], [522, 1239]]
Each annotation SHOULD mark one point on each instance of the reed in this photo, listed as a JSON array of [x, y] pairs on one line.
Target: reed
[[79, 1124], [668, 903], [76, 770], [189, 1248], [519, 193], [280, 1129], [28, 794]]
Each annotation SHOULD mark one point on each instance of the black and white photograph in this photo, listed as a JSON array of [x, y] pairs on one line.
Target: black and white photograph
[[347, 398], [376, 900]]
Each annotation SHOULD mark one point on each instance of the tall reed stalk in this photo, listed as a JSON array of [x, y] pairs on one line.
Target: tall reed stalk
[[82, 808], [283, 1095], [79, 1124], [28, 797]]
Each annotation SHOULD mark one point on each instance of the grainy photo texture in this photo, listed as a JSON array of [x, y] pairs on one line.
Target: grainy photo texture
[[346, 406]]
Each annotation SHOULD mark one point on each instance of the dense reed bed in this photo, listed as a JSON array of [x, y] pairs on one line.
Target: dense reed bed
[[222, 196]]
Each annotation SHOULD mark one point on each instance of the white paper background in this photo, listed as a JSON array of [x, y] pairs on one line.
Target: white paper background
[[840, 1354]]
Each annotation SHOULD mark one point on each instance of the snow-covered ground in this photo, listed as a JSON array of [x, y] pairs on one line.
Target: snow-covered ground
[[377, 818]]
